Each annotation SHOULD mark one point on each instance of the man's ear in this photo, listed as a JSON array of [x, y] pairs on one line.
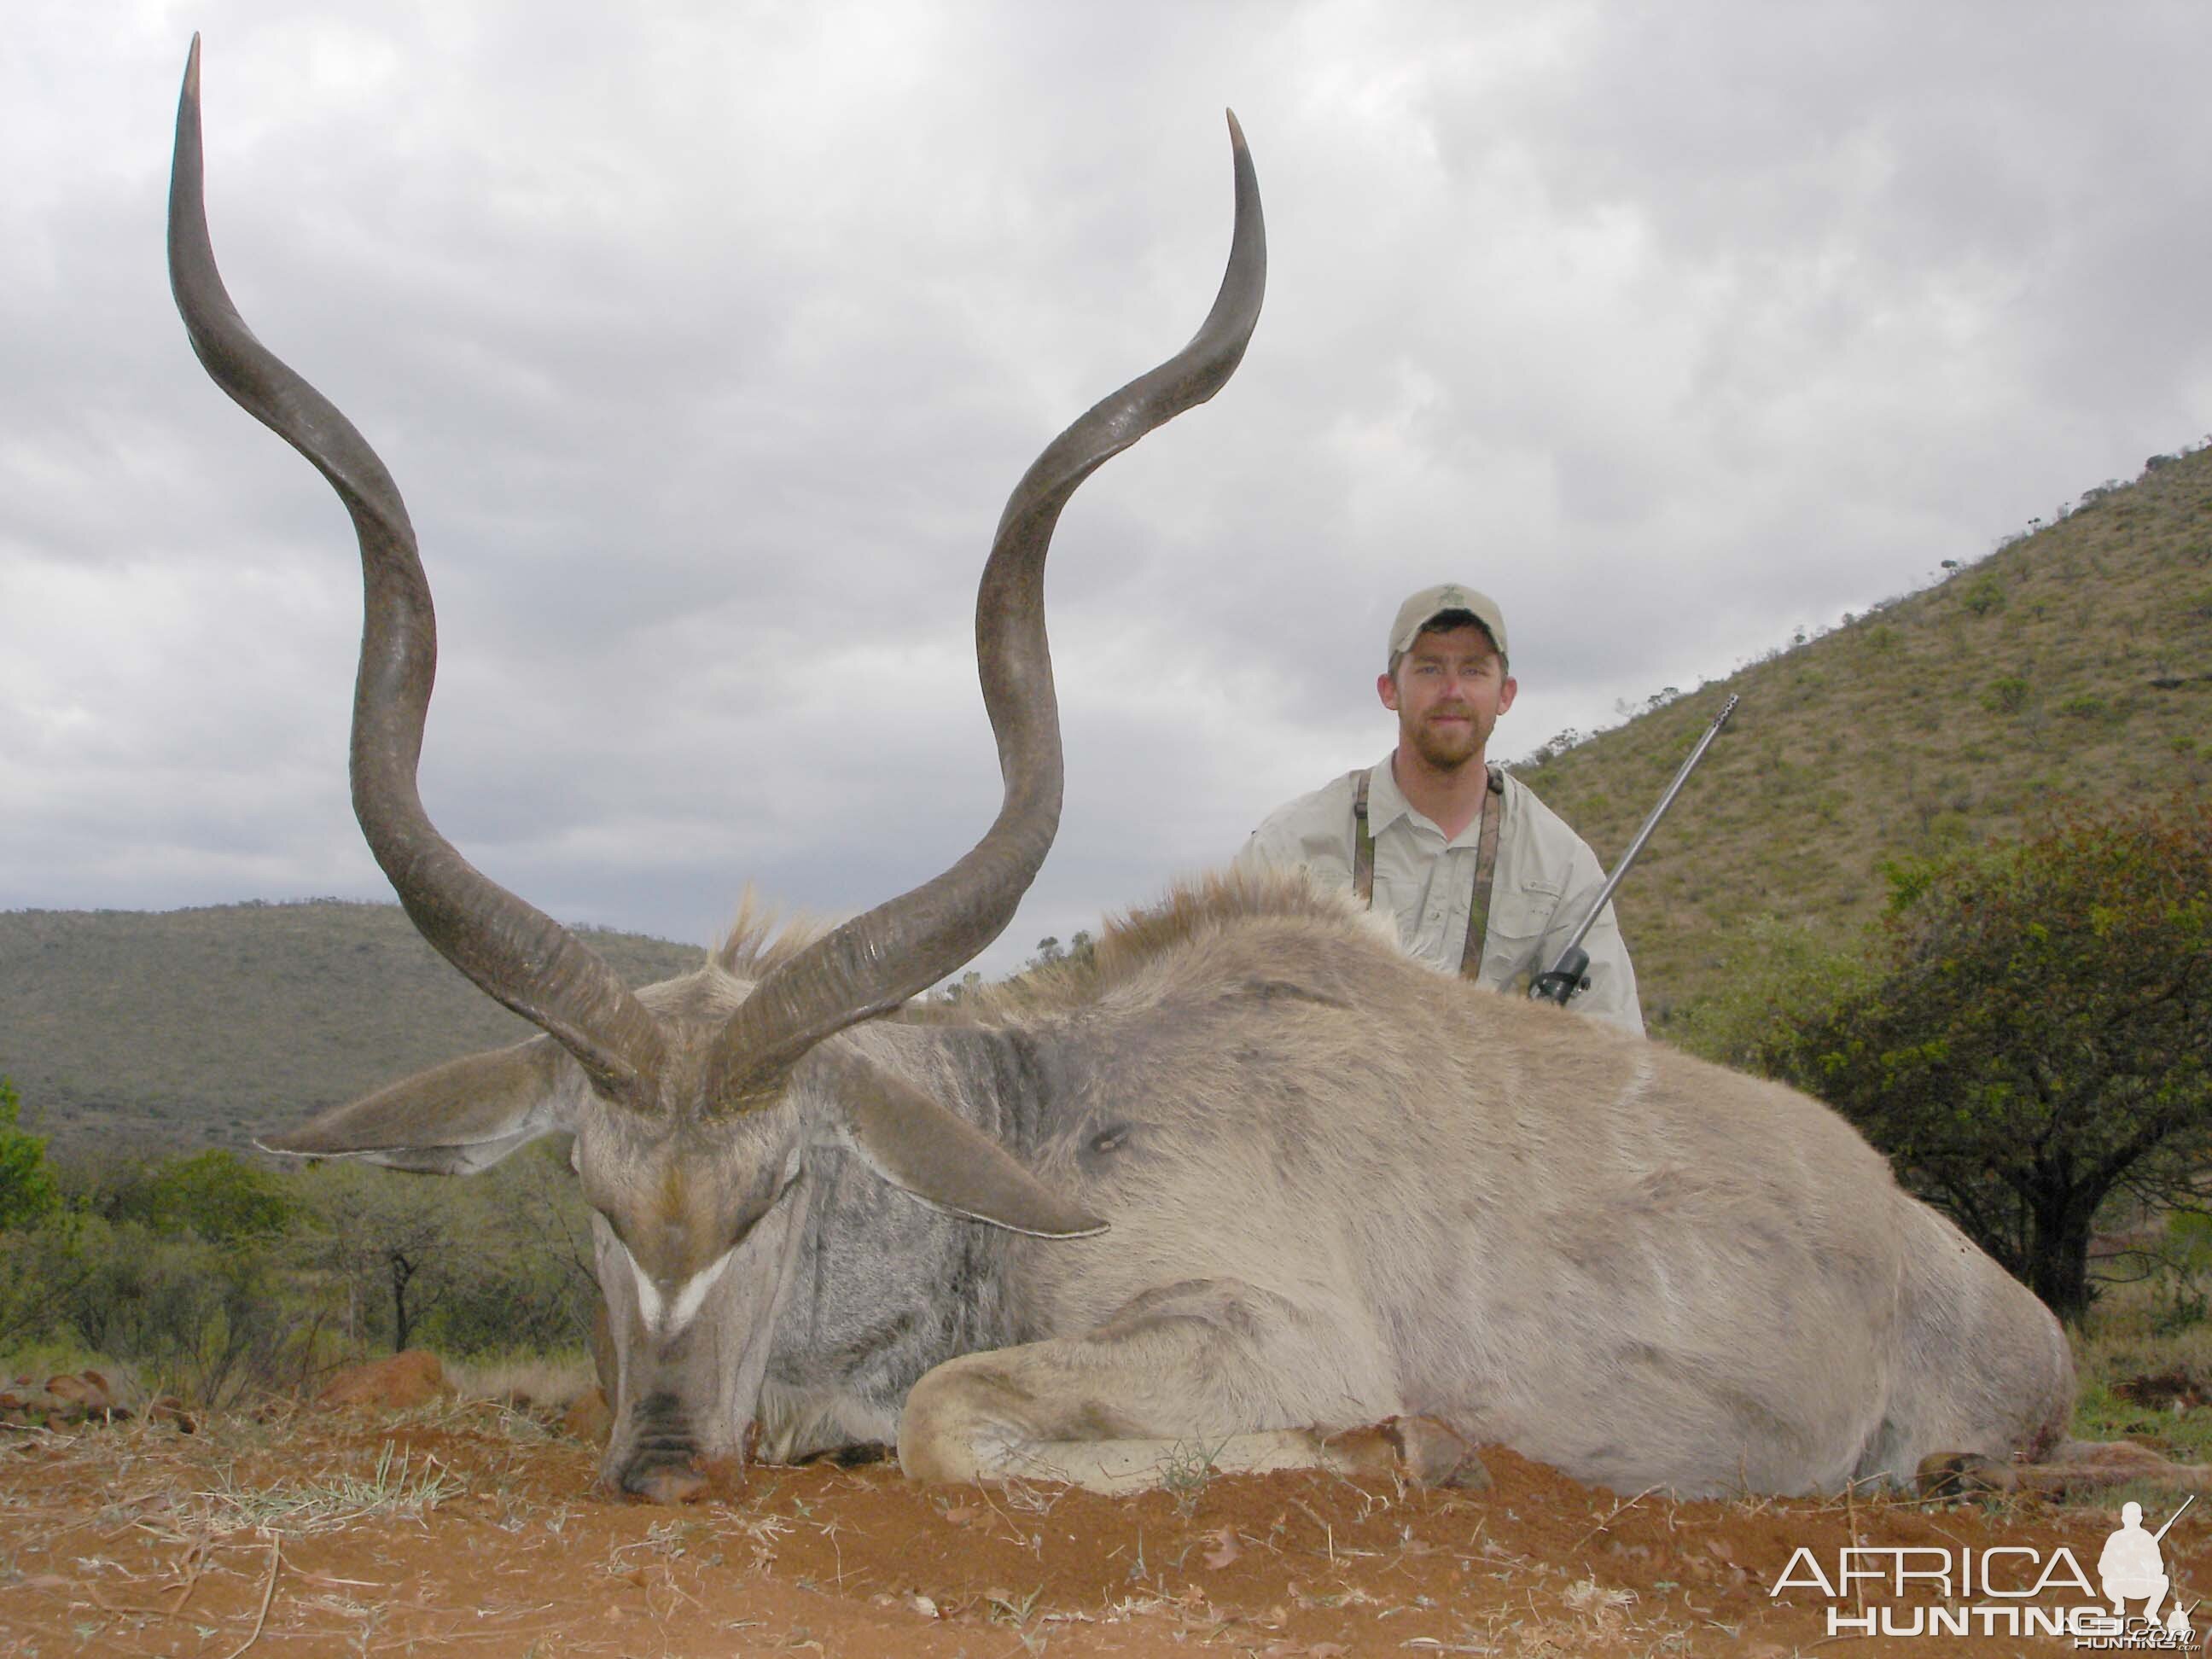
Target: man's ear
[[1507, 692], [1386, 687]]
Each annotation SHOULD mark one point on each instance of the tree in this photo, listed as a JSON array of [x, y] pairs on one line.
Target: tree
[[502, 1261], [215, 1195], [28, 1194], [1078, 952], [2028, 1036], [389, 1238], [38, 1263], [222, 1197]]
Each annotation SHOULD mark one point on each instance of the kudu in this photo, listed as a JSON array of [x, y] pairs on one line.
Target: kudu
[[1251, 1191]]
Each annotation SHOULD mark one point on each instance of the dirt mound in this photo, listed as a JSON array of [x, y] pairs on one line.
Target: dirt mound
[[404, 1382], [475, 1524]]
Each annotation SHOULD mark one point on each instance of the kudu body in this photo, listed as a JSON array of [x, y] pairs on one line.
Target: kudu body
[[1246, 1188]]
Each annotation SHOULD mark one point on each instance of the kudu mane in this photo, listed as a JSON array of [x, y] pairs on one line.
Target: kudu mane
[[1195, 910], [761, 938]]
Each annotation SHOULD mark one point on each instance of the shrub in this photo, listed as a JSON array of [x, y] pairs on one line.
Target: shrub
[[210, 1321], [28, 1194], [1982, 595], [215, 1195], [2026, 1038]]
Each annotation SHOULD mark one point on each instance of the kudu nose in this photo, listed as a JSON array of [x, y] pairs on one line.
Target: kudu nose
[[665, 1483], [663, 1465]]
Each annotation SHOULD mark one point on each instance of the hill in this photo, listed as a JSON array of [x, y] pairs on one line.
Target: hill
[[186, 1027], [2074, 663]]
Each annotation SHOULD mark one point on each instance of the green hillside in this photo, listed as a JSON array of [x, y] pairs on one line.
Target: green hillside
[[2075, 662], [201, 1027]]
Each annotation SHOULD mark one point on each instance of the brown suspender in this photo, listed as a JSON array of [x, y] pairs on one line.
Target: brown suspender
[[1486, 867], [1485, 863], [1362, 841]]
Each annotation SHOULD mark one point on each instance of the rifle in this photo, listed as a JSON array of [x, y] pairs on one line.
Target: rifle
[[2171, 1519], [1564, 976]]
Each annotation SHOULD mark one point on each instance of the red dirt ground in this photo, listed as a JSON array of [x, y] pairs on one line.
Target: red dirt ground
[[472, 1530]]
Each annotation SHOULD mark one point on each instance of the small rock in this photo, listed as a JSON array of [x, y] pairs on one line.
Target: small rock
[[82, 1397], [87, 1392], [171, 1410]]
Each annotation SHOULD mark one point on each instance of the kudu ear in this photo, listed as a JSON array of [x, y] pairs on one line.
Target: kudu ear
[[936, 1156], [454, 1119]]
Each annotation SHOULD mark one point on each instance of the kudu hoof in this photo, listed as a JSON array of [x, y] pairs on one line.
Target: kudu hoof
[[1420, 1449], [1963, 1474]]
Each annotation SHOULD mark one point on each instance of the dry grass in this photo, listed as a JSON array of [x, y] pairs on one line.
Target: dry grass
[[531, 1381], [403, 1486]]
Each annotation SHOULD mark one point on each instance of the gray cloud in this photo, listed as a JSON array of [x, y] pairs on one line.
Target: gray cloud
[[706, 345]]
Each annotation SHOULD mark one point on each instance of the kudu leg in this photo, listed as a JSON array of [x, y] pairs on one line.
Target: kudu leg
[[1158, 1395], [2078, 1466]]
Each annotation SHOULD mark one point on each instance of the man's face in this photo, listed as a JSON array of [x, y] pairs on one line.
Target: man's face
[[1447, 693]]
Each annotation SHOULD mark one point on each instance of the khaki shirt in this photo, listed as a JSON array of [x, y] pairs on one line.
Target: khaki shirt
[[1544, 881]]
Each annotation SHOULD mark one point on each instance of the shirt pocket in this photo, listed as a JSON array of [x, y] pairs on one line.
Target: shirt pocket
[[1401, 902], [1519, 918]]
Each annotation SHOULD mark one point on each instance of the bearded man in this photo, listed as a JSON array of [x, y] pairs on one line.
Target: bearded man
[[1482, 878]]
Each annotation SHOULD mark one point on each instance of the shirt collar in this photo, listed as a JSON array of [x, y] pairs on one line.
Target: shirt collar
[[1387, 804]]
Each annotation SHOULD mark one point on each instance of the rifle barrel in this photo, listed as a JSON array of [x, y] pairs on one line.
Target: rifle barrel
[[1605, 893], [2175, 1516]]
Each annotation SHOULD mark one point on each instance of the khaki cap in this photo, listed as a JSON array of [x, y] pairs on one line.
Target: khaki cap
[[1430, 603]]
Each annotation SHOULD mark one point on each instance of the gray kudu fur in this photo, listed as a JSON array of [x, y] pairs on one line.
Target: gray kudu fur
[[1257, 1193]]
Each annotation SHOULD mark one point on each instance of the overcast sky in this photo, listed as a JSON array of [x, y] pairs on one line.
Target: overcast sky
[[706, 341]]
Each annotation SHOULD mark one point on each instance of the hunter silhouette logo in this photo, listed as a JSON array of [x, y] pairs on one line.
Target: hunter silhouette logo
[[2131, 1566], [2001, 1589]]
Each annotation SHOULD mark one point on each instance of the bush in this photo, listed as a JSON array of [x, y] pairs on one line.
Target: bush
[[27, 1192], [1982, 595], [214, 1195], [2027, 1036], [482, 1264], [209, 1276], [209, 1321], [38, 1265]]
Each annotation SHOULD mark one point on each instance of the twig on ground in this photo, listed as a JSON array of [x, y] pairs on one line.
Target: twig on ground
[[1851, 1518], [268, 1595], [195, 1563], [1328, 1531], [1618, 1510]]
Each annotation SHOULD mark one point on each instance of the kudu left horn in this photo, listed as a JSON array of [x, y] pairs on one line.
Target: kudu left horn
[[522, 957]]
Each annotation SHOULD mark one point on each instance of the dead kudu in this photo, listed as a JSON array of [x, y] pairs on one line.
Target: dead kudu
[[1250, 1192]]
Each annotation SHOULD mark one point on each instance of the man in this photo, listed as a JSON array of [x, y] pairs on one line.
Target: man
[[1482, 877]]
